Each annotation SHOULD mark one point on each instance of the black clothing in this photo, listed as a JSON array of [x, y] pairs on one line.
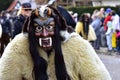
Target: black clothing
[[70, 21], [18, 23]]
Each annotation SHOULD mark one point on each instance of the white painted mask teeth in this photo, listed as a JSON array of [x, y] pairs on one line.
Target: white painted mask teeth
[[45, 42]]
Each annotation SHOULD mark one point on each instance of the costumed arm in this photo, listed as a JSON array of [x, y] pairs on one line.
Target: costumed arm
[[83, 62], [10, 69], [89, 65], [15, 63]]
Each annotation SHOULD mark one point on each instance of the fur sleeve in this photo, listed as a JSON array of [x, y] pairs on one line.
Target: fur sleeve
[[15, 63], [10, 69], [83, 62]]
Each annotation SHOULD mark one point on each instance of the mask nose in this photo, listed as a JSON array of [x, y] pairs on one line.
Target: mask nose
[[45, 33]]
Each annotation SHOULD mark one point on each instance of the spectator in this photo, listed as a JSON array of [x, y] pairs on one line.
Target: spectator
[[109, 35], [23, 13], [93, 15], [84, 29], [2, 17], [102, 31], [108, 10], [6, 33], [96, 24], [102, 11], [116, 26], [115, 21], [108, 17], [75, 17]]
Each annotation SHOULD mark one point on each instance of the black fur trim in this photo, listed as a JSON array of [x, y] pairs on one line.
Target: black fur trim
[[60, 67], [40, 65]]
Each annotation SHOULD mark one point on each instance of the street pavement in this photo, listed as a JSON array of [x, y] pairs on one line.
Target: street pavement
[[112, 62]]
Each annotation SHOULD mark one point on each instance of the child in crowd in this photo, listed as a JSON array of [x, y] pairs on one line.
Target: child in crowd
[[109, 36]]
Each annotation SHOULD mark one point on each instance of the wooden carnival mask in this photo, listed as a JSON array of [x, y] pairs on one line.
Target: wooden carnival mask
[[44, 31], [45, 22]]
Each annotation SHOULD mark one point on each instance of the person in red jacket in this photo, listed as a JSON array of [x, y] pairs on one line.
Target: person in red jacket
[[107, 18]]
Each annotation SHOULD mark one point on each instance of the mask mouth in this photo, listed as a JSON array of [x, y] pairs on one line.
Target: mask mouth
[[45, 42]]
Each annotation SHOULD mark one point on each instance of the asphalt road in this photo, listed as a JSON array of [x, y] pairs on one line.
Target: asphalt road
[[112, 63]]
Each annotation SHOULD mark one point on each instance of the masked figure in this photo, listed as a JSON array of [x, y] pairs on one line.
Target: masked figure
[[48, 50]]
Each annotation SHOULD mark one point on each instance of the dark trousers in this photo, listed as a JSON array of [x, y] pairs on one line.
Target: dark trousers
[[96, 43]]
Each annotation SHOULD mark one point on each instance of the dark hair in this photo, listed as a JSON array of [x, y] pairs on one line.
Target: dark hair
[[85, 23], [113, 12], [40, 64]]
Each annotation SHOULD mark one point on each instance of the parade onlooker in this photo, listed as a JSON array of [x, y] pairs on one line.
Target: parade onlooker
[[2, 17], [93, 15], [96, 24], [84, 28], [107, 18], [109, 36], [23, 13], [75, 17], [6, 32], [6, 27], [102, 11], [103, 42], [115, 21], [102, 31], [116, 26]]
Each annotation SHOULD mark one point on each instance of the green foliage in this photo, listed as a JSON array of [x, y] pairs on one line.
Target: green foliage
[[4, 4], [90, 10]]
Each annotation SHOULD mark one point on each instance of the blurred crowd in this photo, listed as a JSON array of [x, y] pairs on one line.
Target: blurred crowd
[[12, 25], [101, 29], [106, 25]]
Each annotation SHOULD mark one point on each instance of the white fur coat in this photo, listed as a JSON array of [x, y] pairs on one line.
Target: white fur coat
[[81, 60]]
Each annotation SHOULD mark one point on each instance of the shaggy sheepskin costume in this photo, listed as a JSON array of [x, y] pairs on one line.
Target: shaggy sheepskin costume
[[82, 63], [55, 54]]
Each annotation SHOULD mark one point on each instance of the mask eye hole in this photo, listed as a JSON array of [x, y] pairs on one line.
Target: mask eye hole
[[38, 29], [51, 26]]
